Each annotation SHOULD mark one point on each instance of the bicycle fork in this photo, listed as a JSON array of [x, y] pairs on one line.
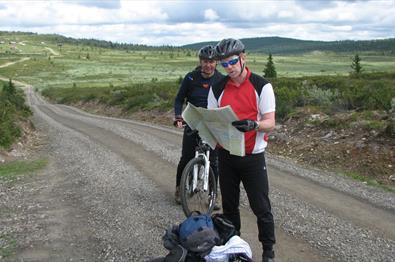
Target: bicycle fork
[[196, 173]]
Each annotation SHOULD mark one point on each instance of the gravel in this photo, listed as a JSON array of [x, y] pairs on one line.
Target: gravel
[[127, 214], [333, 236], [126, 210]]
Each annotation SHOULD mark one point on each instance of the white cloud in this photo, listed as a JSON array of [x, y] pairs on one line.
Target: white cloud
[[182, 22], [210, 14], [48, 13]]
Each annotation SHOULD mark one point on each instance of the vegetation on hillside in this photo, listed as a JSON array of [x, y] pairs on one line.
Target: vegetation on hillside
[[60, 40], [12, 111]]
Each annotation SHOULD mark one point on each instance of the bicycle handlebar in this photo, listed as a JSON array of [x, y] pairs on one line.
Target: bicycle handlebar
[[175, 122]]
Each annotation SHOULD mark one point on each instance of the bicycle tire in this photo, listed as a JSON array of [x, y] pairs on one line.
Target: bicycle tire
[[199, 200]]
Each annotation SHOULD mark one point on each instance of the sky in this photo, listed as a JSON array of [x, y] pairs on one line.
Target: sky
[[180, 22]]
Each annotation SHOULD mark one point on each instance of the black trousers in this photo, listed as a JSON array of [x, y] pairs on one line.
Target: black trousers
[[251, 171], [189, 143]]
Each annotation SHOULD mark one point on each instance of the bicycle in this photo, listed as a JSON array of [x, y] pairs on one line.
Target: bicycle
[[198, 188]]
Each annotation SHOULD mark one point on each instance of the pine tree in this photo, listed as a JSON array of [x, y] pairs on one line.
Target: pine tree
[[270, 70], [356, 65], [9, 89]]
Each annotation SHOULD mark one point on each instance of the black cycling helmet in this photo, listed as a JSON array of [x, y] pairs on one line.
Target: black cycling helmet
[[228, 47], [206, 52]]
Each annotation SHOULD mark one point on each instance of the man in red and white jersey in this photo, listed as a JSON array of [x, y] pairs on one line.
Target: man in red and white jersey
[[252, 99]]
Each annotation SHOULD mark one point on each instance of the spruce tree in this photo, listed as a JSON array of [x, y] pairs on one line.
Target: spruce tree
[[9, 89], [356, 65], [270, 70]]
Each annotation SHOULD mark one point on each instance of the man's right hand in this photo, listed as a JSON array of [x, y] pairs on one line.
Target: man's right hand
[[178, 122]]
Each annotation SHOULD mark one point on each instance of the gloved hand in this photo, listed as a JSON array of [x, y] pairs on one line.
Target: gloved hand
[[178, 121], [245, 125]]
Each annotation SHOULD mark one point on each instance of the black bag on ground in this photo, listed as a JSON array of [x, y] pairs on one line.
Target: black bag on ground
[[191, 240], [224, 227]]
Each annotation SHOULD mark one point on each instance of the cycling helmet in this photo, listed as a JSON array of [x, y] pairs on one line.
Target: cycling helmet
[[206, 52], [228, 47]]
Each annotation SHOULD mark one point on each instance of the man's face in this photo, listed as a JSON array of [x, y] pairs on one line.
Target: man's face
[[232, 65], [208, 66]]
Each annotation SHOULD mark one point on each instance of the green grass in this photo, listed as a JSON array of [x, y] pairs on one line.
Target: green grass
[[367, 180], [132, 97], [320, 63], [7, 247], [10, 171], [120, 67]]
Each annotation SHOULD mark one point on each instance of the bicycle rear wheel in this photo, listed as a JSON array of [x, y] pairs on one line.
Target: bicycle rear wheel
[[197, 199]]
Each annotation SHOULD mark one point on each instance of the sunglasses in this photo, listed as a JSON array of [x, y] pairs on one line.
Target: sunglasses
[[230, 62]]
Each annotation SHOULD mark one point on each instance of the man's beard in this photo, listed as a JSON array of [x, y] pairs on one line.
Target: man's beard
[[207, 72]]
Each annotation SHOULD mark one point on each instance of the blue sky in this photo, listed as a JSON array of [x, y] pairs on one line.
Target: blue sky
[[181, 22]]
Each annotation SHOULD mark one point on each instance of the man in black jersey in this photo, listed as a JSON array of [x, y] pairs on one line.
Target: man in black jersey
[[194, 89]]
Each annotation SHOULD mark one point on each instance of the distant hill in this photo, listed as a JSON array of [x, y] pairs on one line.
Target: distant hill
[[274, 45], [281, 45], [60, 39]]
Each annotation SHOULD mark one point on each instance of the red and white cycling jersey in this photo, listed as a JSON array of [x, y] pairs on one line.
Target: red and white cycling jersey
[[250, 100]]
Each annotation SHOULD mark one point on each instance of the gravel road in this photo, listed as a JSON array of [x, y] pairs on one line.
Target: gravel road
[[107, 195]]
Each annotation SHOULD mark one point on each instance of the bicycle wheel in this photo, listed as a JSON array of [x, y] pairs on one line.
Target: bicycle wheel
[[197, 199]]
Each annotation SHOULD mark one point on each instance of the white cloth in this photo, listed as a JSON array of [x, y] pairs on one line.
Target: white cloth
[[234, 245]]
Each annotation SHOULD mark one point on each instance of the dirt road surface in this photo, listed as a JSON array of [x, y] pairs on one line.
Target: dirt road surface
[[15, 62], [107, 195]]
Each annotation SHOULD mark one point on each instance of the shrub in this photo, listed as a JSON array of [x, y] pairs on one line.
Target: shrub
[[12, 110], [286, 100], [329, 94], [117, 96], [137, 102]]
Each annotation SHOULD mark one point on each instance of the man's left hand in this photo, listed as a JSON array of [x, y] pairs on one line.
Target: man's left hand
[[245, 125]]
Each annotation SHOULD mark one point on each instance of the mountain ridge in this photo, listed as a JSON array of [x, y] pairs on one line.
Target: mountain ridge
[[272, 44], [283, 45]]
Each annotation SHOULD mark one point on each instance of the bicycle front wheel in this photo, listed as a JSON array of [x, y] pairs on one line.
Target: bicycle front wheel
[[195, 198]]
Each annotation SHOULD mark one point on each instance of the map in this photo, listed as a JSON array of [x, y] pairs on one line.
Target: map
[[215, 127]]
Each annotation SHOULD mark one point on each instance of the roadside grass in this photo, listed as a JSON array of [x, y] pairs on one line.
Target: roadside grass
[[144, 96], [9, 173], [7, 247], [12, 170], [367, 180]]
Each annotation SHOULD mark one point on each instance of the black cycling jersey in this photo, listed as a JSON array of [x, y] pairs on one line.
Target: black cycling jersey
[[194, 89]]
